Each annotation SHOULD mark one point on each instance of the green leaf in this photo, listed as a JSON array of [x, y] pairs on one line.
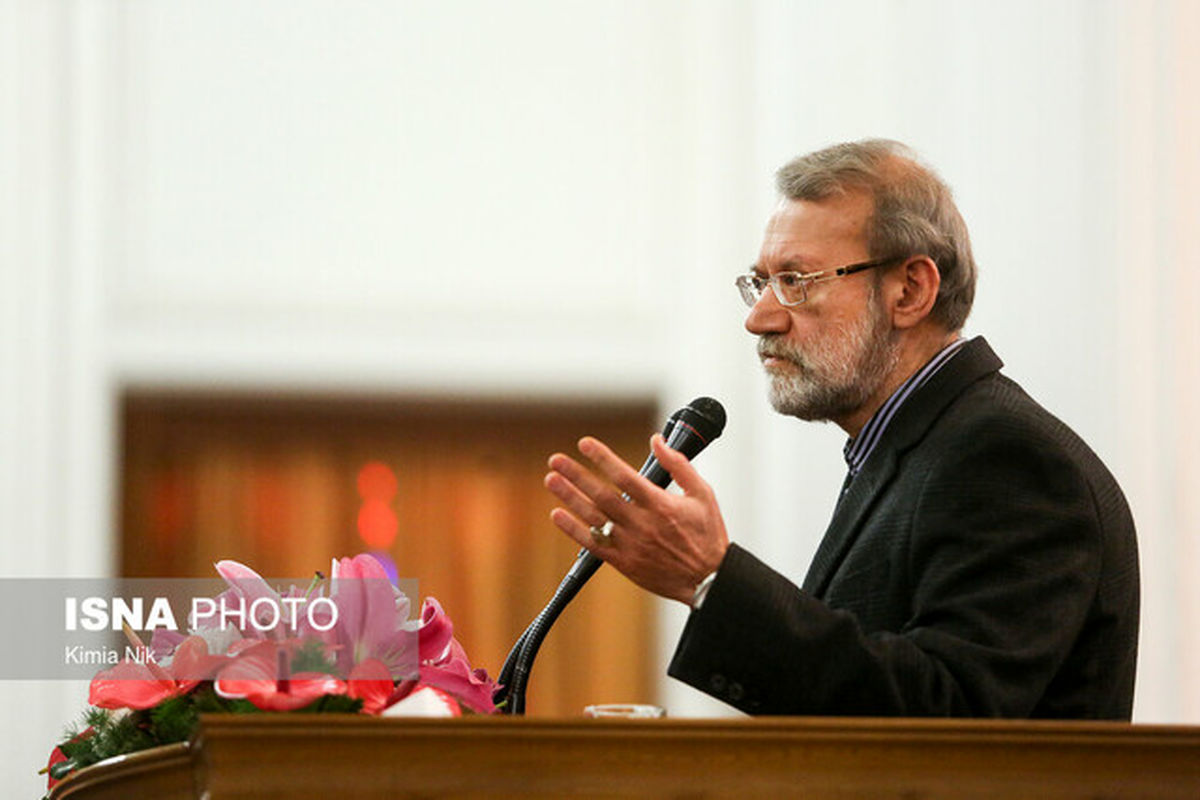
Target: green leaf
[[311, 657], [334, 704]]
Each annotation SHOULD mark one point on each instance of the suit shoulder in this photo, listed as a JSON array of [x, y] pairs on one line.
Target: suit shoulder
[[996, 408], [994, 423]]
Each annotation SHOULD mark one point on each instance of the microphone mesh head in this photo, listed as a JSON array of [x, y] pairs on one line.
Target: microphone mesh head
[[707, 417]]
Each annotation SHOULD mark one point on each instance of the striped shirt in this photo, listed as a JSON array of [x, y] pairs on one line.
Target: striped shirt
[[858, 449]]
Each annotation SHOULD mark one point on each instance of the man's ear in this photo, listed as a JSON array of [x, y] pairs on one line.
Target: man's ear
[[914, 290]]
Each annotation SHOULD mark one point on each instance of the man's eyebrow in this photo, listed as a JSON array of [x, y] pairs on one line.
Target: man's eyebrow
[[788, 265]]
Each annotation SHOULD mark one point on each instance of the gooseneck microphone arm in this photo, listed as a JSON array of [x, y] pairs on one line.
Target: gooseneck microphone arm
[[689, 430], [584, 567], [571, 583]]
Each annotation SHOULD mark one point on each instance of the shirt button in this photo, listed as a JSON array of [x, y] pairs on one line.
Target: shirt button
[[736, 692], [717, 682]]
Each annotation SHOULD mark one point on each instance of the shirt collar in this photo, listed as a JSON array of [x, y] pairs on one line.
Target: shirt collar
[[858, 449]]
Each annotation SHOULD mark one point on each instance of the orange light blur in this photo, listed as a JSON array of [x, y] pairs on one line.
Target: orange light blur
[[377, 525], [376, 481]]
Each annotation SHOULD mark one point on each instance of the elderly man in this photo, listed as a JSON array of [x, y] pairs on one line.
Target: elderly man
[[981, 560]]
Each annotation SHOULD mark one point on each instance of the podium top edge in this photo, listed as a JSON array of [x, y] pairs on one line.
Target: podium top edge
[[830, 727]]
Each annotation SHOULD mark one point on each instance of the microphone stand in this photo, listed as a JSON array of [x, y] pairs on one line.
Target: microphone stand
[[514, 675]]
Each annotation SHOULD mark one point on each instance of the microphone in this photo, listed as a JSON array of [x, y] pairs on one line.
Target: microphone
[[688, 431]]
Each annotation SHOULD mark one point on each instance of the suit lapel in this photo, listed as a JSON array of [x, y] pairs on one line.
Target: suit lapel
[[848, 517], [907, 428]]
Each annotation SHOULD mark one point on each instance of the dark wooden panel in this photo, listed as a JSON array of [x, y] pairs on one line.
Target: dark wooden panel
[[284, 756]]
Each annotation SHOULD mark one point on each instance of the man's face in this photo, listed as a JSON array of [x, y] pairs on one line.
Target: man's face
[[828, 357]]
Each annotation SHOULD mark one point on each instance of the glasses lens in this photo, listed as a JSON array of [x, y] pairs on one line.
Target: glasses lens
[[750, 289], [790, 286]]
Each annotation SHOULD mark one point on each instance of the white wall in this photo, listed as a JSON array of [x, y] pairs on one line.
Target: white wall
[[551, 198]]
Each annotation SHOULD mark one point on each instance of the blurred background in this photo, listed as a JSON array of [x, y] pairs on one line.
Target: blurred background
[[251, 252]]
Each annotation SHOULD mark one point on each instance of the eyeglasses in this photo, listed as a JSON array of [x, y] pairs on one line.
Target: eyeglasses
[[791, 288]]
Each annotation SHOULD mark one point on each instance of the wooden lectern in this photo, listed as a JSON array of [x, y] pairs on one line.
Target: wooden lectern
[[265, 756]]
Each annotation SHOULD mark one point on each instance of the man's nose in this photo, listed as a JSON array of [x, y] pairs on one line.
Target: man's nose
[[767, 315]]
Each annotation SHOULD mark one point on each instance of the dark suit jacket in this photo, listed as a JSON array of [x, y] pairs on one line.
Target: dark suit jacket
[[983, 563]]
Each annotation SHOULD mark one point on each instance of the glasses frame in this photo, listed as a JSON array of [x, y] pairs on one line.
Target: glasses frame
[[752, 285]]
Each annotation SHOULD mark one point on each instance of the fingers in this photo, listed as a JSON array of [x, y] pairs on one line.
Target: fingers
[[662, 542], [569, 524], [561, 484], [583, 491], [581, 515], [682, 471], [589, 502], [590, 499], [625, 477]]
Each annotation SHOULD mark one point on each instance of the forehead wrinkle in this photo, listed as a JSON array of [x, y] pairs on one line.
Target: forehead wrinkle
[[812, 236]]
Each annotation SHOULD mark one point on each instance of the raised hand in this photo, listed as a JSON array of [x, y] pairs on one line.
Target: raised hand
[[666, 543]]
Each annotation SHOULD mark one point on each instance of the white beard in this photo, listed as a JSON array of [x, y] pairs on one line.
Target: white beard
[[831, 377]]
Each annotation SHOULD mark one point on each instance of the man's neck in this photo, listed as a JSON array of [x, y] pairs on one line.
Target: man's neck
[[916, 349]]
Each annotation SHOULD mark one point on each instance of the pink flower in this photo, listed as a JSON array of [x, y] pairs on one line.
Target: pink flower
[[275, 619], [435, 633], [372, 683], [259, 674], [372, 641], [372, 617], [131, 684], [453, 674], [164, 641], [192, 663], [245, 587], [444, 662]]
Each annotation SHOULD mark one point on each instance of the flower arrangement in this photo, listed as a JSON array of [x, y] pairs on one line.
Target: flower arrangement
[[352, 649]]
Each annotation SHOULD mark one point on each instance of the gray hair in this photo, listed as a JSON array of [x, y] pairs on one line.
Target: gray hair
[[914, 211]]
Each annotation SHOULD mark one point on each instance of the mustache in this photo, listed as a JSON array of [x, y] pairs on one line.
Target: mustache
[[772, 345]]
